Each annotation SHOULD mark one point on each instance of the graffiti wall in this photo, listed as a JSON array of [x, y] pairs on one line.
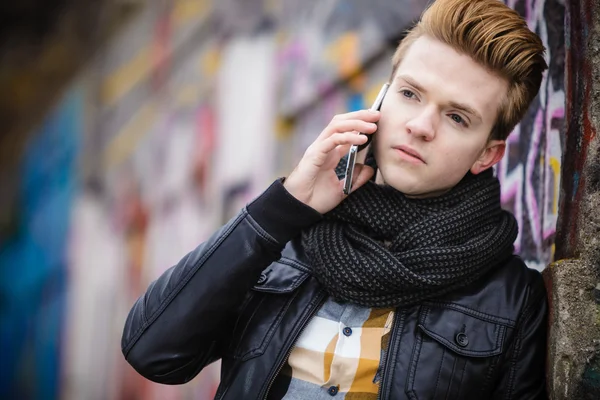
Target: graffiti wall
[[530, 174], [33, 264], [328, 43]]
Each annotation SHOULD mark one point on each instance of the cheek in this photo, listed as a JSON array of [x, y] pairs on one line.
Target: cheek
[[463, 157], [458, 154], [381, 136], [389, 125], [376, 145]]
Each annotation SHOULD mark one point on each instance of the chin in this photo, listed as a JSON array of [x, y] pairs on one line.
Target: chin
[[411, 192], [409, 187]]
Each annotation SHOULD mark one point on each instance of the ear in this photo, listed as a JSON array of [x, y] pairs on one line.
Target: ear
[[490, 156]]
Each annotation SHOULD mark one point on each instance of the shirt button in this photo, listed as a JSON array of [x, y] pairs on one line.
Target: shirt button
[[262, 279], [333, 390], [347, 331], [462, 340]]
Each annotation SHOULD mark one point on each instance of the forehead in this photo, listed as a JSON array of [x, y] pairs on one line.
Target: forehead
[[449, 76]]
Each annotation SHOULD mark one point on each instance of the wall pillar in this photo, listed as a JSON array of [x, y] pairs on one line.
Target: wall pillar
[[573, 280]]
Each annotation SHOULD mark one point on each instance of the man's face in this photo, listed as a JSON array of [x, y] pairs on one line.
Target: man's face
[[436, 120]]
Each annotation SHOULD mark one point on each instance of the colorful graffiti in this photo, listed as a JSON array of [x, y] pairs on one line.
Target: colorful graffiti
[[327, 44], [530, 174], [33, 264]]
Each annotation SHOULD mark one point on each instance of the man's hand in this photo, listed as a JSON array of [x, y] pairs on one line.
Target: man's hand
[[314, 181]]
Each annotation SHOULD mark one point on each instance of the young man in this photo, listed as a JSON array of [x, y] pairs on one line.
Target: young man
[[406, 288]]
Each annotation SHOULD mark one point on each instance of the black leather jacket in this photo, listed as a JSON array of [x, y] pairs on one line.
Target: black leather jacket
[[245, 295]]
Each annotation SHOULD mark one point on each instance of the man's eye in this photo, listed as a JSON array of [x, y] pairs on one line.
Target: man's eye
[[458, 119], [407, 93]]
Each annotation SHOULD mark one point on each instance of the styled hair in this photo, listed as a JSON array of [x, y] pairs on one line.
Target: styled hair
[[495, 37]]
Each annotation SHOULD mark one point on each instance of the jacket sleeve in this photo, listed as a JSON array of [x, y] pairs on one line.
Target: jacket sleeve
[[181, 323], [524, 373]]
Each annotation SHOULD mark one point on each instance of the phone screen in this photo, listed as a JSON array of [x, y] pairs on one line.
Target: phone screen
[[354, 150]]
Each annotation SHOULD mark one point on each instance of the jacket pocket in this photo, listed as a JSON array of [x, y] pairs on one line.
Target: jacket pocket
[[455, 352], [265, 306]]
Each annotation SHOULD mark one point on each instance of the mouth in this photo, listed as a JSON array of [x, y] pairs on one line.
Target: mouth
[[410, 154]]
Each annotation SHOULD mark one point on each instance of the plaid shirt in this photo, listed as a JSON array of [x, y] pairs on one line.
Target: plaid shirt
[[339, 354]]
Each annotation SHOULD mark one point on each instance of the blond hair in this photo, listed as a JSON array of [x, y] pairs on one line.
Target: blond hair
[[494, 36]]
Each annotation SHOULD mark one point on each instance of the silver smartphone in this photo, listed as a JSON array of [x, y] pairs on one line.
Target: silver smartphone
[[355, 149]]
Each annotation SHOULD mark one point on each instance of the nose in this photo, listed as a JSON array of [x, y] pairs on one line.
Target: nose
[[423, 124]]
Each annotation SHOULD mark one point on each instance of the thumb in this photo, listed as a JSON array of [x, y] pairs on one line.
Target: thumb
[[362, 174]]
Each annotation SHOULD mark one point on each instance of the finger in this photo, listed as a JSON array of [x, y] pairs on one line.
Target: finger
[[339, 122], [320, 152], [362, 174], [352, 125], [365, 115], [341, 139]]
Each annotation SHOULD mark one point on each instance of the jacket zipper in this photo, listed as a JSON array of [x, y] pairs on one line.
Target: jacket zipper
[[304, 322], [394, 339]]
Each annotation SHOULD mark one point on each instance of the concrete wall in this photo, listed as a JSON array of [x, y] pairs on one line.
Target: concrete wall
[[573, 281]]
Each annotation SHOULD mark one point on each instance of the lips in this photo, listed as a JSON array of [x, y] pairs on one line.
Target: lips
[[411, 152]]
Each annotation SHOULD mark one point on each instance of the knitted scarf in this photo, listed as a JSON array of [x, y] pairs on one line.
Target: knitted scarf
[[379, 248]]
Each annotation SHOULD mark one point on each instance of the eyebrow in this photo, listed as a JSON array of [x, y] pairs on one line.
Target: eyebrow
[[466, 109], [459, 106]]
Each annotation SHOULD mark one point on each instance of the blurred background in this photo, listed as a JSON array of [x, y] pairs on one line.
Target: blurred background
[[132, 129]]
